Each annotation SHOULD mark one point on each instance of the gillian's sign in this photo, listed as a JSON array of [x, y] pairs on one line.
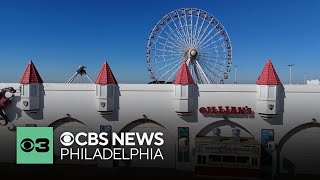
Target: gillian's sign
[[225, 110]]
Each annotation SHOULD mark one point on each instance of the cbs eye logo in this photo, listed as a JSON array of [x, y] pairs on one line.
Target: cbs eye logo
[[66, 139], [40, 145]]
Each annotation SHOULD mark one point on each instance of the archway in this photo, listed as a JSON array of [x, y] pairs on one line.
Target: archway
[[74, 126], [226, 148], [299, 150], [167, 149]]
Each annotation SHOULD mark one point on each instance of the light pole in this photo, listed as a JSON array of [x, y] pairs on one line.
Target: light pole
[[290, 72], [304, 78], [235, 73]]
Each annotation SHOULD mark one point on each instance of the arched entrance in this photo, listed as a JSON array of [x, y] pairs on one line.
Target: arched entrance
[[299, 150], [225, 148], [167, 149], [74, 126]]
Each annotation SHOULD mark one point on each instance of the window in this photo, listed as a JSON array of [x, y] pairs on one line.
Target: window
[[215, 158], [33, 90], [103, 91], [271, 92], [202, 159], [263, 92], [110, 91], [242, 159], [184, 91], [229, 159]]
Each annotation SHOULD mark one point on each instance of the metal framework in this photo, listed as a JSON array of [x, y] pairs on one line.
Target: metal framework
[[81, 71], [192, 35]]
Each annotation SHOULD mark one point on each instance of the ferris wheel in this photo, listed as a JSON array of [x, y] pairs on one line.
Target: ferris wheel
[[190, 35]]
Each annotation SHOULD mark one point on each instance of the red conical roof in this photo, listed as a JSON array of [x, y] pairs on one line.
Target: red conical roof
[[268, 75], [106, 76], [184, 75], [30, 75]]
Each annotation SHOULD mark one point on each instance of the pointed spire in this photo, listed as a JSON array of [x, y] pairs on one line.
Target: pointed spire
[[106, 76], [268, 75], [31, 75], [183, 76]]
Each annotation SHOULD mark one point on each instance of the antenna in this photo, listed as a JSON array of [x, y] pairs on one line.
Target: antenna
[[81, 70]]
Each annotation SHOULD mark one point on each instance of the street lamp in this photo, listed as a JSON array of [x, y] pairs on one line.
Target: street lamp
[[290, 72], [304, 78], [235, 73]]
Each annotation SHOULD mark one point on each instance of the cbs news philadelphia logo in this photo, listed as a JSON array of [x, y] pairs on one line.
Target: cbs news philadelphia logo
[[34, 145]]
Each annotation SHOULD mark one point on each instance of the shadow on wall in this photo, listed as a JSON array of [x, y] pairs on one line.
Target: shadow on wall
[[38, 114], [193, 117], [114, 116], [13, 112], [220, 123], [244, 116], [287, 164]]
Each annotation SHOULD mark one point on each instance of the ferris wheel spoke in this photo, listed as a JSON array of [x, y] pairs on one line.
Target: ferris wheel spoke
[[187, 28], [175, 72], [196, 26], [166, 55], [191, 26], [171, 47], [215, 57], [206, 71], [174, 40], [200, 29], [213, 42], [157, 62], [211, 30], [212, 53], [168, 65], [215, 61], [180, 39], [213, 47], [182, 29], [173, 67], [212, 38], [204, 31], [209, 70], [212, 68], [166, 39], [166, 50], [178, 31]]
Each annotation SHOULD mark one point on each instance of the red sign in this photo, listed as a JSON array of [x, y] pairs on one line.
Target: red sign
[[225, 110]]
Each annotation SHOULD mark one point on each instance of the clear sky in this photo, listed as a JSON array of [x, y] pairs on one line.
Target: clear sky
[[59, 35]]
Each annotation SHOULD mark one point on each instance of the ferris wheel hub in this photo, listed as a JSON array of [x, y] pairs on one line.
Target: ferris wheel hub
[[193, 53]]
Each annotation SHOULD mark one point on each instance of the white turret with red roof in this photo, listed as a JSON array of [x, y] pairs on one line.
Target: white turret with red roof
[[270, 92], [30, 89], [183, 91], [106, 90]]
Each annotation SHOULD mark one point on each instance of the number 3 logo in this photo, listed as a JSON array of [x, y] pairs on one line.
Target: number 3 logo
[[41, 145]]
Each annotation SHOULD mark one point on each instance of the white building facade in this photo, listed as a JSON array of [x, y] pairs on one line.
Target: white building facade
[[196, 119]]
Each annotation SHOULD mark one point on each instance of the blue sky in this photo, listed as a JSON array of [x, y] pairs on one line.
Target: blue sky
[[59, 35]]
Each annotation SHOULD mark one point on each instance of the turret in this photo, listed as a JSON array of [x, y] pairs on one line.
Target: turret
[[106, 85], [30, 89], [270, 93], [183, 91]]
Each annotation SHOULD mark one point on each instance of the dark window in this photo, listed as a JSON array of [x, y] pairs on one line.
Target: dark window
[[215, 158], [204, 160], [241, 159], [229, 158], [199, 159]]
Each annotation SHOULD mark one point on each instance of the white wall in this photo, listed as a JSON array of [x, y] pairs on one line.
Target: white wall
[[301, 105]]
